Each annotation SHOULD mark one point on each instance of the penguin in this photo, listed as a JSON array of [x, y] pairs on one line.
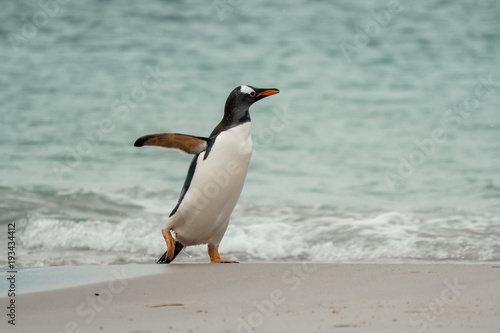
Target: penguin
[[215, 176]]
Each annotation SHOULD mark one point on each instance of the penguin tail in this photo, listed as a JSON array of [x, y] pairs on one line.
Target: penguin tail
[[177, 249]]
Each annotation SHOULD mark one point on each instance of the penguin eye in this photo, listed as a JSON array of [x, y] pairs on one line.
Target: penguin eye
[[252, 94]]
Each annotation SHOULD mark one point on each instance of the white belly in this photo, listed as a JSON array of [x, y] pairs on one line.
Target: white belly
[[203, 215]]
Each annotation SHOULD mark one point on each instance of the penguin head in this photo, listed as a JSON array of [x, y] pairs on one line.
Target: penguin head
[[237, 106], [249, 95], [242, 97]]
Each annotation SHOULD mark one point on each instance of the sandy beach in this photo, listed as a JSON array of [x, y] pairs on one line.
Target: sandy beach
[[274, 297]]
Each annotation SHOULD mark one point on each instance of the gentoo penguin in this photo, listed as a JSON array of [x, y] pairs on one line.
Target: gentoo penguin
[[215, 177]]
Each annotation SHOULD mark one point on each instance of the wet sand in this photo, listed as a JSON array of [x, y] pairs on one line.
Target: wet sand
[[254, 297]]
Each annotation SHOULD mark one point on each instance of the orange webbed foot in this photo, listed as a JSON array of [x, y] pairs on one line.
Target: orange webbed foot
[[215, 257], [170, 244]]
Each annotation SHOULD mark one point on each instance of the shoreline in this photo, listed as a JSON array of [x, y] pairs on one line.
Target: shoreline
[[261, 297]]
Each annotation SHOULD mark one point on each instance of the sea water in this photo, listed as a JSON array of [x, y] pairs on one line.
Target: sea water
[[382, 146]]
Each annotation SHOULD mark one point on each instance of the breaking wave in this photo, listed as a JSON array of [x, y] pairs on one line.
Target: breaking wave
[[269, 233]]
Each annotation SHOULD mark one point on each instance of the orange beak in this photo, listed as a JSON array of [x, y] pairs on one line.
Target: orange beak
[[268, 92]]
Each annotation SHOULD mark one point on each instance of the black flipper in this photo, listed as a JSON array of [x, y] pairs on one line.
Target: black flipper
[[185, 143], [178, 248]]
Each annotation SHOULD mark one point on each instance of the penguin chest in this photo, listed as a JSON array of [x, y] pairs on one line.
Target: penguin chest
[[217, 182]]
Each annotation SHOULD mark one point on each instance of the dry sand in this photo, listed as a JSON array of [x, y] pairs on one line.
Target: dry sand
[[274, 297]]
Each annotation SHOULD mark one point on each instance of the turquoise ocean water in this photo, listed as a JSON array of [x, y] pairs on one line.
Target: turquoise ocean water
[[382, 146]]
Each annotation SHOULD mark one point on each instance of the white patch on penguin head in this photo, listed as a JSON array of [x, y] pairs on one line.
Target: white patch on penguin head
[[247, 90]]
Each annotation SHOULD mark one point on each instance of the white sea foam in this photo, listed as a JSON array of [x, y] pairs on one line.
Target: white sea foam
[[260, 233]]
